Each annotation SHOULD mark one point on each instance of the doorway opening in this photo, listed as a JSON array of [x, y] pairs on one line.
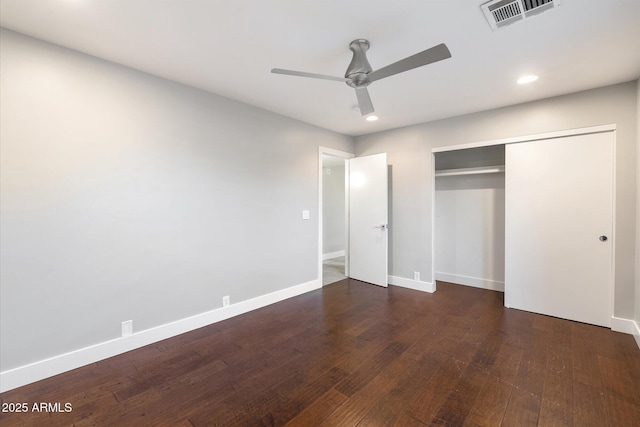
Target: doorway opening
[[333, 205], [469, 221]]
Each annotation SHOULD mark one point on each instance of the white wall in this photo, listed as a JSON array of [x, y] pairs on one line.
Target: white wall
[[409, 153], [129, 197], [469, 230], [333, 206]]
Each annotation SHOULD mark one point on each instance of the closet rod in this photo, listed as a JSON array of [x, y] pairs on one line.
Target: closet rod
[[470, 171]]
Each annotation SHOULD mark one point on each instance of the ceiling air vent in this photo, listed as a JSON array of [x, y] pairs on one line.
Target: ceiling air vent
[[500, 13]]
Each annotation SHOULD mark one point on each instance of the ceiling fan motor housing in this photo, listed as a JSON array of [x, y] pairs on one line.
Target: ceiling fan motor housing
[[357, 74]]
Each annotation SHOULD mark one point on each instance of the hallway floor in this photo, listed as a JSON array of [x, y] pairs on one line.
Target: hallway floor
[[333, 270]]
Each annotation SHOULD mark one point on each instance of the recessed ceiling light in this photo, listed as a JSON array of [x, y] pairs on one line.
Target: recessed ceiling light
[[372, 118], [527, 79]]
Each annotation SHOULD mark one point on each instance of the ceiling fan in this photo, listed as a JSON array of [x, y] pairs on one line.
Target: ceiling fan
[[359, 74]]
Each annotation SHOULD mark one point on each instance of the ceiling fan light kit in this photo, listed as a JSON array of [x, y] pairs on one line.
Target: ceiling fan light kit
[[360, 74]]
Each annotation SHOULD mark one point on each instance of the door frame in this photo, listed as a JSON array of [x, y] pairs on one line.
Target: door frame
[[530, 138], [344, 155]]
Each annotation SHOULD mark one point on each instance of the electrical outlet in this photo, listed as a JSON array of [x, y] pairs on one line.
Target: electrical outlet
[[127, 328], [225, 301], [416, 276]]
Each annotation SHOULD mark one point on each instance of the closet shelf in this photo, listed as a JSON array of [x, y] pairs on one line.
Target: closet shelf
[[470, 171]]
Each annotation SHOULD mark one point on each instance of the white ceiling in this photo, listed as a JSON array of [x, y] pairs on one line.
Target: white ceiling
[[228, 47]]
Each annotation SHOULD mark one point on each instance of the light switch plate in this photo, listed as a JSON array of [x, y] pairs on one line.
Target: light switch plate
[[305, 214]]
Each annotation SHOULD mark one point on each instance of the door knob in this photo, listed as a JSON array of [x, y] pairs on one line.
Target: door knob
[[603, 238], [383, 226]]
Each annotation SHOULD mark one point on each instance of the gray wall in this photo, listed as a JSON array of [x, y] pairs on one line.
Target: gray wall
[[126, 196], [333, 206], [638, 210], [409, 153]]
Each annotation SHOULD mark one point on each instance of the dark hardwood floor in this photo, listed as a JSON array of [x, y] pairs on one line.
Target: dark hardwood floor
[[355, 354]]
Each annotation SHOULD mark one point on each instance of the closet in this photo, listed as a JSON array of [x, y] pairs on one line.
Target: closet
[[533, 217], [469, 216]]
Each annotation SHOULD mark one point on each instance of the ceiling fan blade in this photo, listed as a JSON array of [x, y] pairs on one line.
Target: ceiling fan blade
[[303, 74], [434, 54], [364, 101]]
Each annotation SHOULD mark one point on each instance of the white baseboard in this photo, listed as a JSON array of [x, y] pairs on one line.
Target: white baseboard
[[476, 282], [332, 255], [42, 369], [412, 284], [627, 326]]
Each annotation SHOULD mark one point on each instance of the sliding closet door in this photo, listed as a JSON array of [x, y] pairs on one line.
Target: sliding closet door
[[559, 227]]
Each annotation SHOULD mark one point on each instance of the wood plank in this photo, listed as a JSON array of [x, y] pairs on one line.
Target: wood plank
[[408, 421], [522, 410], [459, 402], [390, 407], [370, 369], [556, 407], [621, 412], [531, 372], [491, 404], [353, 410], [302, 390], [616, 380], [319, 410], [584, 362], [588, 407], [430, 399]]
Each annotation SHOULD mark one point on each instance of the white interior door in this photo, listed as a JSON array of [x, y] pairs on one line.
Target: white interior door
[[368, 219], [559, 205]]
